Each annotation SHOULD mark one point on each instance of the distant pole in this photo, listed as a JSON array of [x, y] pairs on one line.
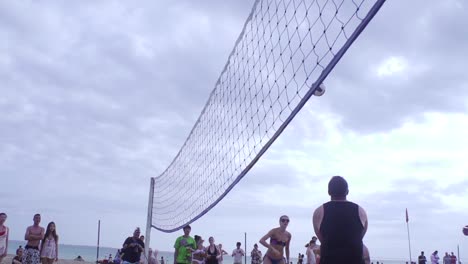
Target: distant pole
[[245, 247], [458, 253], [98, 236], [149, 219], [409, 241]]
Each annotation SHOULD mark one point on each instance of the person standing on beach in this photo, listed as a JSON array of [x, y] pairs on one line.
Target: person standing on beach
[[312, 250], [340, 226], [132, 248], [222, 252], [49, 245], [238, 253], [453, 259], [279, 243], [435, 257], [3, 237], [212, 252], [34, 235], [199, 255], [256, 255], [422, 258], [184, 246]]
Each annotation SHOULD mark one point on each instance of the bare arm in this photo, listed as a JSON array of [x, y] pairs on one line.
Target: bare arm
[[364, 221], [176, 252], [317, 221], [287, 247], [264, 238], [29, 236], [26, 235], [7, 238], [57, 249]]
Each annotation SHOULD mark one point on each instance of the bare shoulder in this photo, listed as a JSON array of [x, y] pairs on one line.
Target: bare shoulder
[[362, 212], [318, 212]]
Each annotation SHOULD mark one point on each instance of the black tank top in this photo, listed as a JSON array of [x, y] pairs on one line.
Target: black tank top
[[211, 256], [341, 231]]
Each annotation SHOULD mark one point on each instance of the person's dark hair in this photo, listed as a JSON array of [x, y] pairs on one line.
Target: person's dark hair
[[48, 232], [197, 239], [18, 250], [338, 187], [187, 227], [238, 243], [3, 214], [37, 215]]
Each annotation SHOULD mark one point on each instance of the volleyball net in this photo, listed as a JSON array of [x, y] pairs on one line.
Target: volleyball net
[[286, 49]]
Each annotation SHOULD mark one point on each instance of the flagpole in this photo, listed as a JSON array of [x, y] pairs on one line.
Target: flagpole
[[409, 240]]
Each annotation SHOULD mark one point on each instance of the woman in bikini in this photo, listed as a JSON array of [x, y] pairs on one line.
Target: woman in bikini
[[3, 237], [49, 245], [212, 252], [199, 255], [279, 243]]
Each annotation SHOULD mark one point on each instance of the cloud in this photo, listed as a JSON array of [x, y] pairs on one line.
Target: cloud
[[98, 99]]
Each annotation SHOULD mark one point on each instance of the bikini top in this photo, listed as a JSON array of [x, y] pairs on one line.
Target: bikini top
[[208, 251], [4, 232], [274, 241]]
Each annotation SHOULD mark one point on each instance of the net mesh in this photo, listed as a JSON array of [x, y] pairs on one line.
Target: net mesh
[[286, 49]]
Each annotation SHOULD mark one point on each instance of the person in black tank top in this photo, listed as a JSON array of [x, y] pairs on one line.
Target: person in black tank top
[[340, 226], [212, 252]]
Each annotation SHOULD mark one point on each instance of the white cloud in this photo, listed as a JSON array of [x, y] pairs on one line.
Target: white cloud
[[93, 105], [392, 66]]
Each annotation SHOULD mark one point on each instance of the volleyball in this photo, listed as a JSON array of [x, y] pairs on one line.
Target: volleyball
[[465, 230], [320, 90]]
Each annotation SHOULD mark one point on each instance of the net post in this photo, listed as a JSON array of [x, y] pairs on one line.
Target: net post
[[149, 218]]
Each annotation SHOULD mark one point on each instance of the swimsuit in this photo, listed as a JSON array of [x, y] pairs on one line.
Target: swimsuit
[[3, 237], [211, 258], [31, 255], [273, 261], [274, 241], [49, 249], [196, 252]]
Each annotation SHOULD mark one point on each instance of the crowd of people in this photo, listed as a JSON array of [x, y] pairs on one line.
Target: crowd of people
[[339, 225], [41, 246], [435, 259]]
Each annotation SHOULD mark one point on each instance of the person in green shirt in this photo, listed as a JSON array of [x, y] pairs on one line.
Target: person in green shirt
[[184, 246]]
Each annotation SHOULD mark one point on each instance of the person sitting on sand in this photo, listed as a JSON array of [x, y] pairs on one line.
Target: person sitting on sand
[[79, 258], [19, 256], [279, 242]]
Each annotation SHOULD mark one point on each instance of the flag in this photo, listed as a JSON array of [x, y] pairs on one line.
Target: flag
[[407, 219]]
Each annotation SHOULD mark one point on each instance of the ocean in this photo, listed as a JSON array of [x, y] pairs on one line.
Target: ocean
[[88, 253]]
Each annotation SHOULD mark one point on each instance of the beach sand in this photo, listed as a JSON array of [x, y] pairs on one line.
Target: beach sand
[[8, 259]]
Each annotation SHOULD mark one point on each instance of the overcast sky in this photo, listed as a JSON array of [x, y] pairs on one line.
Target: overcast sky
[[97, 97]]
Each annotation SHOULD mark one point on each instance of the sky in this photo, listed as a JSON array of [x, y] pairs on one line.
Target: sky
[[97, 97]]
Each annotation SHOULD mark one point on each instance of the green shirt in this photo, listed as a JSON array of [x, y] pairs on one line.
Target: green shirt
[[182, 244]]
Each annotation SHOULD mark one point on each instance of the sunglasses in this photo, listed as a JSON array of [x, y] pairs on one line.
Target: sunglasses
[[284, 220]]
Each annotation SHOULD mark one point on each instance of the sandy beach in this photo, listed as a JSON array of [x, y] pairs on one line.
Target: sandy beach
[[8, 259]]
